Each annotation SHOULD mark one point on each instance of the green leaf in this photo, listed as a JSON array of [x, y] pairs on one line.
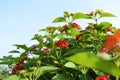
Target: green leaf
[[42, 30], [59, 19], [107, 15], [14, 51], [74, 31], [9, 60], [80, 15], [60, 77], [105, 25], [2, 76], [93, 61], [14, 77], [22, 47], [38, 37], [44, 69], [72, 51]]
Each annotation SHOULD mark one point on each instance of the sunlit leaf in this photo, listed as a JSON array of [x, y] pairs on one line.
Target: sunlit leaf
[[59, 19], [105, 25], [79, 15], [70, 65], [92, 61], [74, 31], [107, 15]]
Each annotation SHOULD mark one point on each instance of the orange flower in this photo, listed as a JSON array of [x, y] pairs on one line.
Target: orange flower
[[111, 42]]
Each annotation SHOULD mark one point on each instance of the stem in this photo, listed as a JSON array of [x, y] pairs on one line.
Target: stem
[[96, 20], [58, 56], [85, 77], [117, 78], [26, 78]]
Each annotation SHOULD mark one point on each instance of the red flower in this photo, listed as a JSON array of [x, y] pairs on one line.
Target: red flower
[[76, 25], [79, 36], [65, 26], [45, 50], [102, 77], [111, 42], [62, 44]]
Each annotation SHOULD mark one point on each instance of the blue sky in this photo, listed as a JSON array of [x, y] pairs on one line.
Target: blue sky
[[21, 19]]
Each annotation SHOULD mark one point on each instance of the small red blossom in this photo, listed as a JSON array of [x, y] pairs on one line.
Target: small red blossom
[[45, 50], [65, 26], [79, 36], [103, 77], [62, 44], [76, 25]]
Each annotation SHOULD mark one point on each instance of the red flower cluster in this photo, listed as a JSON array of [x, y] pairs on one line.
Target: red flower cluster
[[79, 36], [62, 44], [18, 66], [102, 77], [45, 50], [111, 42], [76, 25]]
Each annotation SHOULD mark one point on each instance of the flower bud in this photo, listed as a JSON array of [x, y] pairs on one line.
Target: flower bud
[[32, 68], [101, 11], [39, 62], [92, 13], [22, 72]]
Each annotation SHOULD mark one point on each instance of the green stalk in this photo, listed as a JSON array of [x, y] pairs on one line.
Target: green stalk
[[58, 56], [117, 78], [85, 77]]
